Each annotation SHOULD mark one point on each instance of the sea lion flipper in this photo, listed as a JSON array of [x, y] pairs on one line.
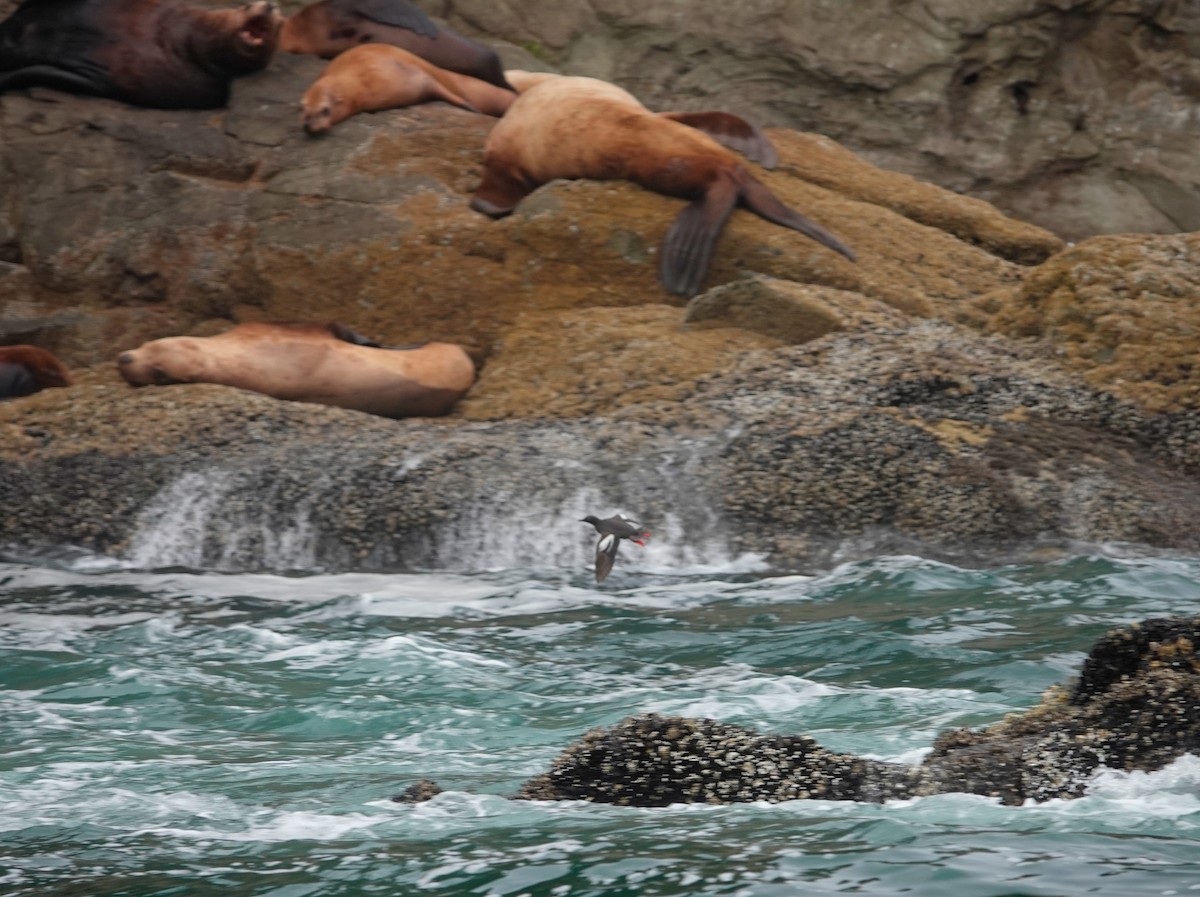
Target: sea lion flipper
[[452, 97], [15, 381], [688, 246], [396, 13], [762, 202], [50, 76], [732, 131], [345, 334]]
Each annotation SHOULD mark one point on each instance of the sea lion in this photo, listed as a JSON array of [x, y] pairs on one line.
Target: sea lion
[[330, 27], [372, 77], [726, 128], [25, 370], [166, 54], [570, 127], [322, 363]]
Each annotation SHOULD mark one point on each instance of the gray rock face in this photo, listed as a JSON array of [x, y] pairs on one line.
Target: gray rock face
[[1078, 115], [926, 438], [882, 429]]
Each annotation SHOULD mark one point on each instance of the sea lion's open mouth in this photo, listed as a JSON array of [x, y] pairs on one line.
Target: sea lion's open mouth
[[261, 24], [256, 32]]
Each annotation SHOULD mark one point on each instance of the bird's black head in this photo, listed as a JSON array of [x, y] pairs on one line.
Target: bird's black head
[[590, 518]]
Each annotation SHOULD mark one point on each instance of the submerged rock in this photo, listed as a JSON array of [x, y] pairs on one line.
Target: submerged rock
[[1135, 706], [418, 792], [652, 761]]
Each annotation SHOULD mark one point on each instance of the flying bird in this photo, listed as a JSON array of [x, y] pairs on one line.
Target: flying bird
[[612, 530]]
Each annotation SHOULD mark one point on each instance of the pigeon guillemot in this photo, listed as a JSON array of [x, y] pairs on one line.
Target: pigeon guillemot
[[612, 530]]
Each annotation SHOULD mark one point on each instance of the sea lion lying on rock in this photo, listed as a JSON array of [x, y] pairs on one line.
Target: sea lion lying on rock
[[727, 129], [374, 77], [1135, 706], [323, 363], [25, 370], [567, 127], [167, 54], [330, 27]]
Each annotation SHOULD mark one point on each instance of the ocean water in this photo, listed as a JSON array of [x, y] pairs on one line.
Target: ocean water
[[177, 731]]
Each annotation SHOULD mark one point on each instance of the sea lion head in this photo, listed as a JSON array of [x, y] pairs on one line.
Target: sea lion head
[[162, 362], [324, 106], [259, 34], [240, 41]]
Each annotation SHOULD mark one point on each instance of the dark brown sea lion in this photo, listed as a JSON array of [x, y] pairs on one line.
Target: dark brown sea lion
[[322, 363], [25, 370], [330, 27], [167, 54], [372, 77], [564, 127]]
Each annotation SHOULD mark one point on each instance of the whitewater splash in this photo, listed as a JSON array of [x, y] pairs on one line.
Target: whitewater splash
[[235, 521], [171, 527], [202, 519]]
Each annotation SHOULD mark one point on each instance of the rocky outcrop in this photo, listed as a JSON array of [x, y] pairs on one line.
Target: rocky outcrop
[[1075, 114], [803, 408], [921, 438], [1124, 311], [1136, 706], [121, 225]]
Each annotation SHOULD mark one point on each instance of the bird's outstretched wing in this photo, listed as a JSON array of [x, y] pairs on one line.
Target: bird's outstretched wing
[[606, 553]]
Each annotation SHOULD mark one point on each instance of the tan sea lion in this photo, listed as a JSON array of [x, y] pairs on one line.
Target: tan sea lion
[[323, 363], [569, 127], [726, 128], [521, 80], [167, 54], [330, 27], [372, 77], [25, 370]]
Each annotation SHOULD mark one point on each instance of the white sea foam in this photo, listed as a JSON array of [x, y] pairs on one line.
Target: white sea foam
[[57, 631], [1170, 792], [275, 826], [170, 529], [523, 531]]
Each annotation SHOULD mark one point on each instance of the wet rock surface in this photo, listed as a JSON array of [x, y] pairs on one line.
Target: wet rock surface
[[802, 408], [1134, 707], [926, 438]]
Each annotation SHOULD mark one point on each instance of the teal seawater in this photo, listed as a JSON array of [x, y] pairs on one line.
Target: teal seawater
[[179, 732]]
